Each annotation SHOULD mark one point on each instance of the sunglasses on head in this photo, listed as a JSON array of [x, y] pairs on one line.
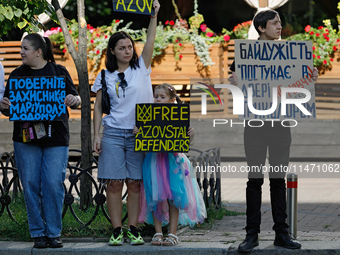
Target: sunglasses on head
[[123, 84]]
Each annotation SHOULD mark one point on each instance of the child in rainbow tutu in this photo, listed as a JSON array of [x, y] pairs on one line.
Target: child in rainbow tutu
[[171, 190]]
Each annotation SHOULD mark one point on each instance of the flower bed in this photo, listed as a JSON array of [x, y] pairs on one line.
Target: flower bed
[[165, 67], [175, 33], [325, 42]]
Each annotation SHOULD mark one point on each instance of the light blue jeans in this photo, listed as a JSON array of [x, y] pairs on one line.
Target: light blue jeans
[[42, 172], [118, 159]]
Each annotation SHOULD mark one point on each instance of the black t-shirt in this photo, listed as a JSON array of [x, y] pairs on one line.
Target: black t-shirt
[[232, 67], [59, 129]]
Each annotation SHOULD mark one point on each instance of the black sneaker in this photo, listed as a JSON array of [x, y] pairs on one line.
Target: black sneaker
[[134, 236], [117, 237], [55, 242], [251, 241], [284, 239], [40, 242]]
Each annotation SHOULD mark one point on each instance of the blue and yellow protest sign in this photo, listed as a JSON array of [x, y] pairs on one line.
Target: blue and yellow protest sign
[[162, 127], [134, 6], [276, 79], [37, 98]]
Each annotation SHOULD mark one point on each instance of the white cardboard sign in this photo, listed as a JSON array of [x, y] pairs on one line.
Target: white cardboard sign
[[263, 65]]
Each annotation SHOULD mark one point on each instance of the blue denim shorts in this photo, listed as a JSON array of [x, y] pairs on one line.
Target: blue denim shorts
[[118, 159]]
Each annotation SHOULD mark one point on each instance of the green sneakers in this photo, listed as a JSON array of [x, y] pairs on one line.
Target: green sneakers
[[117, 237], [134, 236]]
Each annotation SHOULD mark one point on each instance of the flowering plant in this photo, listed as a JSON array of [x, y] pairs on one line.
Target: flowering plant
[[177, 32], [56, 36], [180, 31], [97, 38], [325, 41], [241, 30]]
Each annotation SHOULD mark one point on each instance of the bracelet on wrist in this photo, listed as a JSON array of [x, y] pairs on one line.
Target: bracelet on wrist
[[153, 16]]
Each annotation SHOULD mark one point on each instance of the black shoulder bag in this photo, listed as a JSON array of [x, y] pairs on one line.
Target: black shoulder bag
[[105, 95]]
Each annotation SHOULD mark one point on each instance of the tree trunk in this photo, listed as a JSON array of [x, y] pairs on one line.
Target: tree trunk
[[80, 60], [84, 90]]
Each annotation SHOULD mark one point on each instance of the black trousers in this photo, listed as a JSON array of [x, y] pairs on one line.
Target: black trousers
[[257, 140]]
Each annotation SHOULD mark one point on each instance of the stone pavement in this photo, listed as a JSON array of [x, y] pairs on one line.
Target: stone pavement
[[318, 209]]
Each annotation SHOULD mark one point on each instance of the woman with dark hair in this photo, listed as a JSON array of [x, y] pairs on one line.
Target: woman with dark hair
[[42, 159], [128, 83]]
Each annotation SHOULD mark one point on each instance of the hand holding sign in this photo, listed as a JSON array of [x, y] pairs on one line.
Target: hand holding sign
[[191, 131], [315, 74], [156, 6], [71, 100], [4, 104], [233, 79]]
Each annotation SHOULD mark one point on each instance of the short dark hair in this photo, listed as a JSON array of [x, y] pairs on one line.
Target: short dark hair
[[111, 60], [262, 18], [39, 42]]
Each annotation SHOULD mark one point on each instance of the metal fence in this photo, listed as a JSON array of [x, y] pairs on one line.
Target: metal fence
[[209, 184]]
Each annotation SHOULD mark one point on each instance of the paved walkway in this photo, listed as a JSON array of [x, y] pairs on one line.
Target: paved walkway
[[318, 209]]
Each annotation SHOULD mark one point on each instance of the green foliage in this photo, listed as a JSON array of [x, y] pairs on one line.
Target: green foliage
[[19, 231], [98, 11], [100, 227], [22, 14], [11, 230], [219, 212], [216, 213], [176, 32]]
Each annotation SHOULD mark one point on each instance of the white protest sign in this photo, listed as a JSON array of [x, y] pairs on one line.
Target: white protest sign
[[276, 72]]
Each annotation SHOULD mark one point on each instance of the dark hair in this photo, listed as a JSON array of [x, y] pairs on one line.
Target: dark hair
[[43, 43], [111, 60], [170, 91], [262, 18]]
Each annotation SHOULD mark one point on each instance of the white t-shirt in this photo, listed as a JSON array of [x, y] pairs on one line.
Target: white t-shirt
[[2, 82], [139, 90]]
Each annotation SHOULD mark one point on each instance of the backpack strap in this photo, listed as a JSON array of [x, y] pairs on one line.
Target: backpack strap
[[103, 82]]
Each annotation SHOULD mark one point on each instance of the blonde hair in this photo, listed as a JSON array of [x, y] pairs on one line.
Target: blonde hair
[[170, 91]]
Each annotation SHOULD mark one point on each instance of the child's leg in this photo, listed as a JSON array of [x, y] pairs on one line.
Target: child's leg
[[133, 188], [172, 239], [158, 224], [173, 214], [158, 237], [114, 202]]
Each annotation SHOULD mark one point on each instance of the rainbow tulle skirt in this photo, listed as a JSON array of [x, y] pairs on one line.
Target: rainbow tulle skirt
[[170, 178]]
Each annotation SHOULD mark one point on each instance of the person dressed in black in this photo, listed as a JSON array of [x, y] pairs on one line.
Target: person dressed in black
[[41, 147], [275, 138]]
